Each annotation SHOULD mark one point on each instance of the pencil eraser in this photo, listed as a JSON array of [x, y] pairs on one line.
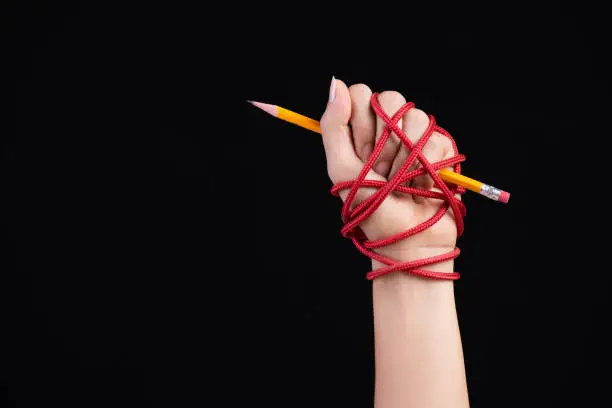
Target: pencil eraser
[[504, 197]]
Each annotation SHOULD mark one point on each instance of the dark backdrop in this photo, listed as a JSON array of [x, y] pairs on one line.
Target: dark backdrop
[[166, 244]]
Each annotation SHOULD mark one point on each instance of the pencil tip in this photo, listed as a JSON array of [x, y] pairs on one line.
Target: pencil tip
[[266, 107]]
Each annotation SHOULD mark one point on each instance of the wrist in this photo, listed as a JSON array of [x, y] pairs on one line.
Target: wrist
[[414, 253]]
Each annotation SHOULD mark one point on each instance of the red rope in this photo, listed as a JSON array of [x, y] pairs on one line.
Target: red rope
[[352, 218]]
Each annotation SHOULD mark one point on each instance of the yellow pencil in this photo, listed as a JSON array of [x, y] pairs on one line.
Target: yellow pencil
[[445, 174]]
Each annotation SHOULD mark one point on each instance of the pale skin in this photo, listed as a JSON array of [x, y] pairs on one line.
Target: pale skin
[[418, 351]]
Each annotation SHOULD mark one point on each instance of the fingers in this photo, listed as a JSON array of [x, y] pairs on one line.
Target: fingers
[[435, 150], [390, 102], [444, 148], [363, 121], [348, 148], [342, 162], [415, 121]]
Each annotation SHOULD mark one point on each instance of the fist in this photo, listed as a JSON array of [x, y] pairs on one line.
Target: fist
[[351, 133]]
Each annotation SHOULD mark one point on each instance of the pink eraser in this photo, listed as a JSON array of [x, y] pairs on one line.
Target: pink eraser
[[504, 197]]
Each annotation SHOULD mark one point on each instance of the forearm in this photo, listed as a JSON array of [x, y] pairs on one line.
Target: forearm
[[418, 352]]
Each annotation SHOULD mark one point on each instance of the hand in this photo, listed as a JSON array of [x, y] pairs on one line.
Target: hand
[[347, 150]]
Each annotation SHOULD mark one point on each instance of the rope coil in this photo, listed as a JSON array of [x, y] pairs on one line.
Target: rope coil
[[353, 218]]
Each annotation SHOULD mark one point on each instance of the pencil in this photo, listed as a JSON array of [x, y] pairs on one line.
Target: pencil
[[445, 174]]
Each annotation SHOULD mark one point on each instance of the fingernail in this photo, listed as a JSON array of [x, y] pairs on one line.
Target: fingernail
[[332, 90], [382, 167], [366, 151]]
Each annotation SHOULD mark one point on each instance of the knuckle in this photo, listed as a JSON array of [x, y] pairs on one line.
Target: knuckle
[[433, 145], [418, 117], [445, 144], [436, 147], [363, 129], [325, 121], [391, 99], [360, 91], [440, 142], [389, 149]]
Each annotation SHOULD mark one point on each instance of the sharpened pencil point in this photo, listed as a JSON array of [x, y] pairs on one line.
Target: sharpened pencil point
[[266, 107]]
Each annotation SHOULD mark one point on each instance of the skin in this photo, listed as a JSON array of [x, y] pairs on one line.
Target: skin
[[418, 352]]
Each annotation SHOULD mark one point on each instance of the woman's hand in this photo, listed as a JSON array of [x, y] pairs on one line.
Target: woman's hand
[[348, 148]]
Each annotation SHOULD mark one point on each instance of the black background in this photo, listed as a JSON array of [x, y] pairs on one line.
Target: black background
[[166, 244]]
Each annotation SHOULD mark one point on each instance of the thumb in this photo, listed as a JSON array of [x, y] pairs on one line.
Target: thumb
[[342, 162]]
